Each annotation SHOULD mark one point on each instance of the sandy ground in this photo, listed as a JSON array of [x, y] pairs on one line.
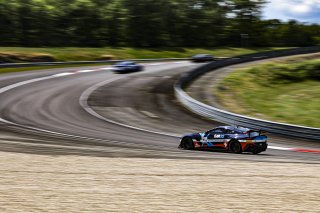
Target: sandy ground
[[35, 183]]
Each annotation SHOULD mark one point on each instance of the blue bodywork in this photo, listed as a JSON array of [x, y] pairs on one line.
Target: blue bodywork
[[222, 136], [127, 66]]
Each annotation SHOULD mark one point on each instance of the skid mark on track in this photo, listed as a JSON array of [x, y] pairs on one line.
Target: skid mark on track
[[84, 104]]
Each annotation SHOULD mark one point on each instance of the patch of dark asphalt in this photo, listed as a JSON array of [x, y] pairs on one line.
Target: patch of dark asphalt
[[154, 93], [145, 100]]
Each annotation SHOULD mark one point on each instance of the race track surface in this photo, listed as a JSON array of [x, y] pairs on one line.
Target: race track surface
[[132, 115]]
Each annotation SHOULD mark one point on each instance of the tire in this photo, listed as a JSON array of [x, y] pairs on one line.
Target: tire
[[187, 143], [255, 152], [235, 147]]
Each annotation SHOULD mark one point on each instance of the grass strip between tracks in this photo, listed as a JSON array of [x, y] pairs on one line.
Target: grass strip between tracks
[[286, 92], [24, 54], [33, 68]]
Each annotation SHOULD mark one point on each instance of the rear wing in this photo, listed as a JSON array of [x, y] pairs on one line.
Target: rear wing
[[252, 131]]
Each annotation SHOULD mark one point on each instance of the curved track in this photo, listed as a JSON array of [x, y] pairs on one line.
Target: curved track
[[44, 108]]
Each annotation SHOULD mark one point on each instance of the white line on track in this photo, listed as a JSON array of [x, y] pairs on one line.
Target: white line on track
[[16, 85], [105, 68], [64, 74], [279, 148], [12, 86], [155, 64], [83, 101], [84, 71], [84, 104]]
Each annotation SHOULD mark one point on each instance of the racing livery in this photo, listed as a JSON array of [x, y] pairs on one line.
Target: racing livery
[[126, 67], [228, 138]]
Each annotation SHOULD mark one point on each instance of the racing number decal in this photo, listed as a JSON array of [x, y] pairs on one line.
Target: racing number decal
[[218, 136]]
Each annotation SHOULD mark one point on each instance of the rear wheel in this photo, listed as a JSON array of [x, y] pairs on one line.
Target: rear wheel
[[235, 147], [187, 143]]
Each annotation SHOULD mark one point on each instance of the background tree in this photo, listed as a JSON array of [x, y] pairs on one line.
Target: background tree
[[147, 23]]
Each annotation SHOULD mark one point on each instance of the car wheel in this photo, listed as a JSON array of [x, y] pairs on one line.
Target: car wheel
[[235, 147], [187, 143], [255, 152]]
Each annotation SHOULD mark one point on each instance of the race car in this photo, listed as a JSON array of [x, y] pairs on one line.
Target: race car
[[227, 138], [127, 66], [202, 58]]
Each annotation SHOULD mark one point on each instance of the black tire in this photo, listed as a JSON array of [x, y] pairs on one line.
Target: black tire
[[187, 143], [255, 152], [235, 147]]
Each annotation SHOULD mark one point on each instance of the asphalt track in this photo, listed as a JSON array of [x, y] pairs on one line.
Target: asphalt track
[[132, 115]]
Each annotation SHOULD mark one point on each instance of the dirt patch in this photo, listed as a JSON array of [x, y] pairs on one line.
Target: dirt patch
[[106, 57], [32, 183], [19, 57]]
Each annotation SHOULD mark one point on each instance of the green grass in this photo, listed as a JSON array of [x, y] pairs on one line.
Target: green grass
[[24, 54], [33, 68], [285, 92], [79, 54]]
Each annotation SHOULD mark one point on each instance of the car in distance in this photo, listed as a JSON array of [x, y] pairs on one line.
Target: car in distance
[[227, 138], [202, 58], [126, 66]]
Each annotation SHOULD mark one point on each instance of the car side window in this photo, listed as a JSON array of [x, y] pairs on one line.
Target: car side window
[[218, 130], [229, 131], [216, 133]]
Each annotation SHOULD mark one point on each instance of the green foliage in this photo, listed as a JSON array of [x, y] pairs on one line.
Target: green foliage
[[285, 92], [287, 72], [146, 23], [23, 54]]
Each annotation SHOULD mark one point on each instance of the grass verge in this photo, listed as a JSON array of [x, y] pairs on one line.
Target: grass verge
[[23, 54], [285, 92], [33, 68]]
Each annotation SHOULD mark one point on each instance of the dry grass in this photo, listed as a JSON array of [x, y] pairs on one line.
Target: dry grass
[[32, 183]]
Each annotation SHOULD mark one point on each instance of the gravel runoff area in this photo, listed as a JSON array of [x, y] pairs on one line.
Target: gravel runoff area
[[39, 183]]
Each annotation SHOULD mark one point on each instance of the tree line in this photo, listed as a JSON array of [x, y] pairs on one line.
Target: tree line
[[147, 23]]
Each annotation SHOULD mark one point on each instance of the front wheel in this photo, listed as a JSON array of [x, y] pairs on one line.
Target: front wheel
[[187, 143], [255, 151], [235, 147]]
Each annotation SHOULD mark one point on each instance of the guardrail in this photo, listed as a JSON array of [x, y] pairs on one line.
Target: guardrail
[[30, 64], [236, 119], [12, 65]]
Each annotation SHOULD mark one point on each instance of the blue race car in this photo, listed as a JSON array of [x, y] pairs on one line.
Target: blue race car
[[126, 66], [227, 138]]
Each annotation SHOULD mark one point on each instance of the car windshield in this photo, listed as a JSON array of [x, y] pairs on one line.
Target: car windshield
[[125, 63], [200, 55], [242, 129], [229, 130]]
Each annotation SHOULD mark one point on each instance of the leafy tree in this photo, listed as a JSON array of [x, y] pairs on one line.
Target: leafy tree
[[147, 23], [9, 22]]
